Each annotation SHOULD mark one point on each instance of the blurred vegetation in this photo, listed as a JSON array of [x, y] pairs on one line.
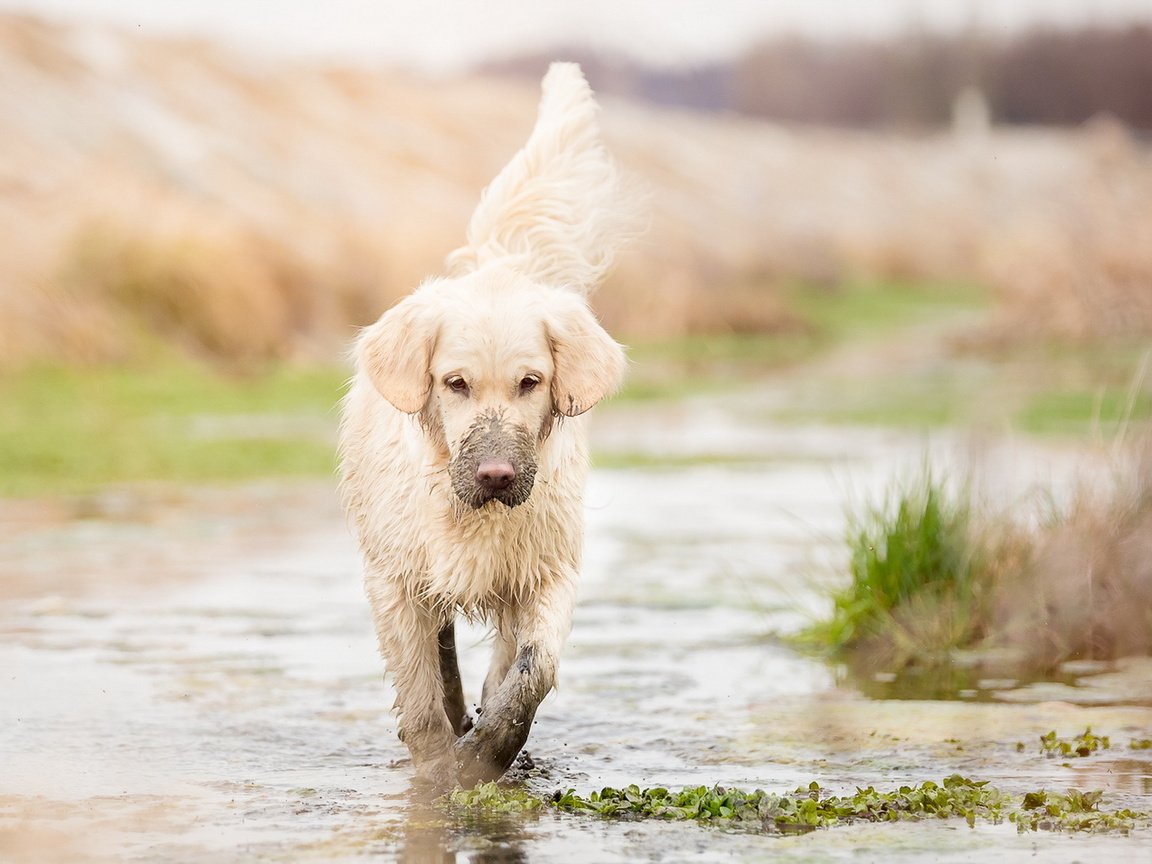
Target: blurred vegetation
[[930, 575], [74, 429], [820, 319], [277, 218], [144, 303], [1081, 392], [167, 416]]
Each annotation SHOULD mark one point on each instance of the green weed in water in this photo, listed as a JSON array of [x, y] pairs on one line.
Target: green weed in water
[[1084, 744], [808, 808], [494, 798], [1073, 811]]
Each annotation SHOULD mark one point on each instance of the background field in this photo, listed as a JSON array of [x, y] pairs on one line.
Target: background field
[[193, 235]]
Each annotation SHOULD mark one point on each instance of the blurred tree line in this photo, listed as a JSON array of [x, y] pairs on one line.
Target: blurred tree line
[[1043, 76]]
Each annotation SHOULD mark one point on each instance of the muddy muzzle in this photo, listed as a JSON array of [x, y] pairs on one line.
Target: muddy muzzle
[[495, 462]]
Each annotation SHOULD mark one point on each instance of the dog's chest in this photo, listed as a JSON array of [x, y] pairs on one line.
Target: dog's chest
[[499, 556]]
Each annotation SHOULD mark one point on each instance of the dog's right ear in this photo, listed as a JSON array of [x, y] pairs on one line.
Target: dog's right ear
[[589, 365], [396, 353]]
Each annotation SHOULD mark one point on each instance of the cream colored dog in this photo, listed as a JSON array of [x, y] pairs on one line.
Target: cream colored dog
[[462, 469]]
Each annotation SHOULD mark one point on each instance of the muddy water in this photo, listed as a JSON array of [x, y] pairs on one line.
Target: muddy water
[[191, 676]]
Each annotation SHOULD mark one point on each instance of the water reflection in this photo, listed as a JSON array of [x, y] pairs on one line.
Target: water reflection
[[940, 681], [1000, 680], [434, 836]]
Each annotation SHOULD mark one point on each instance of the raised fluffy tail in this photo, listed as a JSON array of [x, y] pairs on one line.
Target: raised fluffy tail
[[557, 212]]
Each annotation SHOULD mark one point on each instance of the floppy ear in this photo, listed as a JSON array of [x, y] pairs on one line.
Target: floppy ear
[[588, 364], [396, 354]]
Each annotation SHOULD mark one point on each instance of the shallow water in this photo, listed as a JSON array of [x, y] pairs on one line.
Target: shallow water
[[191, 676]]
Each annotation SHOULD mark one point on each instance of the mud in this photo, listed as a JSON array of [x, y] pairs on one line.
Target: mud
[[192, 676]]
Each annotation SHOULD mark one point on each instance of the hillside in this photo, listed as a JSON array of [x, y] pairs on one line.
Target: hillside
[[157, 191]]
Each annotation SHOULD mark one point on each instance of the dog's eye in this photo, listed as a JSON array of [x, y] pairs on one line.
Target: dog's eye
[[456, 384], [528, 383]]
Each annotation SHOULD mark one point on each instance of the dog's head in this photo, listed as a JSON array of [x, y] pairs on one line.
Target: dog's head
[[488, 362], [490, 356]]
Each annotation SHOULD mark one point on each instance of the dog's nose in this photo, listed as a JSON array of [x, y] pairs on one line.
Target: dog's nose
[[495, 474]]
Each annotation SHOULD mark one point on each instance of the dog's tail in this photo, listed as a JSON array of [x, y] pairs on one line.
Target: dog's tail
[[558, 212]]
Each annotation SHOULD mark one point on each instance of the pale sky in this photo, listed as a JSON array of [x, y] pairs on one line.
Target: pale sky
[[445, 35]]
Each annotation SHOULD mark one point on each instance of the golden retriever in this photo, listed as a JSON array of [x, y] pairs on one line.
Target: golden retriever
[[463, 456]]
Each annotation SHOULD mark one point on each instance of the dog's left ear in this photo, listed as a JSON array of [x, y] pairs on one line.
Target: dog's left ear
[[588, 364]]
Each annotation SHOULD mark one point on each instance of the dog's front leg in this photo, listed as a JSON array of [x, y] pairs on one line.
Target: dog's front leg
[[501, 730], [408, 632]]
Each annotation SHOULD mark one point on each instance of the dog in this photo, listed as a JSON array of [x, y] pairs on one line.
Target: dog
[[463, 451]]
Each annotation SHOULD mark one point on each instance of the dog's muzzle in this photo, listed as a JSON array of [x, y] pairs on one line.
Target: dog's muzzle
[[495, 463]]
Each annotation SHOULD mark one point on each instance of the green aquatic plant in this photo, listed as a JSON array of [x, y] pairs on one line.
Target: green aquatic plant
[[1084, 744], [806, 808], [810, 807], [493, 798], [1073, 811]]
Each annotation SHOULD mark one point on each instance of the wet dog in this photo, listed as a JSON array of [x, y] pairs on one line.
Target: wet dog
[[463, 453]]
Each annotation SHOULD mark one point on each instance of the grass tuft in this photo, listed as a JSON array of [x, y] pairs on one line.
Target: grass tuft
[[929, 575], [916, 578]]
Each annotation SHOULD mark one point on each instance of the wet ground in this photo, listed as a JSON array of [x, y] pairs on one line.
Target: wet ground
[[191, 675]]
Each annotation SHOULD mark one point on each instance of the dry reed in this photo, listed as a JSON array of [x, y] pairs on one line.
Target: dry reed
[[248, 209], [1085, 591]]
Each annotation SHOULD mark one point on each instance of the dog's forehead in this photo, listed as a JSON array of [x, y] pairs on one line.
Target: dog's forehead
[[492, 332]]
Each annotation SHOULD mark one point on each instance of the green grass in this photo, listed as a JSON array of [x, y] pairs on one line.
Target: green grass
[[674, 368], [913, 554], [913, 398], [1103, 412], [1056, 391], [930, 575], [73, 430], [1080, 391], [641, 460], [866, 310]]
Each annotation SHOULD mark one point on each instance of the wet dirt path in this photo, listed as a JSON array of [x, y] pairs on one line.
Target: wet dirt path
[[191, 676]]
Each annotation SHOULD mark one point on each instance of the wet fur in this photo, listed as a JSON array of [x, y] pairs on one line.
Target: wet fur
[[435, 544]]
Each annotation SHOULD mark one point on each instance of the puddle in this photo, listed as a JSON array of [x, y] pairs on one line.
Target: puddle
[[195, 679]]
